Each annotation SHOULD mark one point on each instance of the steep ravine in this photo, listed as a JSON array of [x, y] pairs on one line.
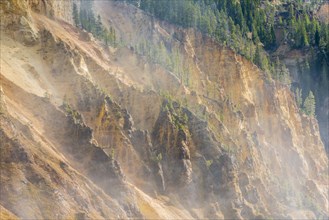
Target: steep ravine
[[94, 132]]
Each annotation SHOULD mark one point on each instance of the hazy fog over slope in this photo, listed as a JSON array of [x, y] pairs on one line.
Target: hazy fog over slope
[[109, 111]]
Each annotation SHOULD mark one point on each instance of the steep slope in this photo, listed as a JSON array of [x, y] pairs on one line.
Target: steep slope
[[308, 65], [89, 131]]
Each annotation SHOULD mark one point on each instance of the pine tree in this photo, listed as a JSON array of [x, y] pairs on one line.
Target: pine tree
[[273, 37], [284, 75], [309, 104], [83, 18], [99, 25], [277, 69], [304, 37], [76, 15], [299, 98], [257, 57], [291, 13], [317, 37], [106, 36]]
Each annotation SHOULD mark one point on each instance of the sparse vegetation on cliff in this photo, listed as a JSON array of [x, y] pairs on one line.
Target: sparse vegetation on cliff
[[85, 19], [248, 27], [309, 104], [242, 25], [178, 116]]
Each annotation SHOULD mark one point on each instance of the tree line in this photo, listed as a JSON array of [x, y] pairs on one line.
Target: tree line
[[243, 25], [246, 26]]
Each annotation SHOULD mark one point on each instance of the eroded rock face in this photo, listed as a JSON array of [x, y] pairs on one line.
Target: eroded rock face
[[98, 164], [17, 18], [3, 107], [94, 130], [27, 34], [59, 9], [170, 144], [32, 169]]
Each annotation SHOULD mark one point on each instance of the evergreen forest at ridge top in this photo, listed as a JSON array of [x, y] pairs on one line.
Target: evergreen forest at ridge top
[[249, 28]]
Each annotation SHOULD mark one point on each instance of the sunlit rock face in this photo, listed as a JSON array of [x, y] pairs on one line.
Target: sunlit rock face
[[89, 131]]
